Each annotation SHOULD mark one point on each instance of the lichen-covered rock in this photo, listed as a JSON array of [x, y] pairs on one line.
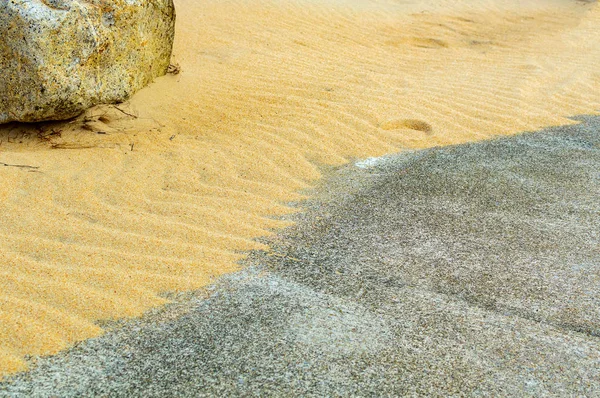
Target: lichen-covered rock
[[59, 57]]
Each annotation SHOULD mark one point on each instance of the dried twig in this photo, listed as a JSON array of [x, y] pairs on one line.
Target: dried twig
[[21, 166], [123, 112], [64, 145], [45, 136], [174, 69]]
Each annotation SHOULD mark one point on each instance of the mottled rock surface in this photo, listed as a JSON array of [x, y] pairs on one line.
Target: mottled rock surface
[[59, 57], [465, 271]]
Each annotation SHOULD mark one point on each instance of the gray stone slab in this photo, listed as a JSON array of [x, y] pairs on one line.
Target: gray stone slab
[[468, 270]]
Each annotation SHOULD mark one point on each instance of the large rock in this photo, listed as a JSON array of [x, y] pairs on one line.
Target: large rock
[[59, 57]]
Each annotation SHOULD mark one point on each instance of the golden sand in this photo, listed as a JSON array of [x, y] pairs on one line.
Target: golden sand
[[117, 209]]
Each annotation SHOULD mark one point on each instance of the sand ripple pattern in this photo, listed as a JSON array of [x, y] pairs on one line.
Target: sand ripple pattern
[[102, 215]]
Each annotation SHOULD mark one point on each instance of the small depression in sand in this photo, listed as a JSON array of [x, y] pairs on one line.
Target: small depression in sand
[[102, 215]]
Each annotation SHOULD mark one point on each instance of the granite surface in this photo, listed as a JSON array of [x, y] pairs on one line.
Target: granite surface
[[471, 270], [60, 57]]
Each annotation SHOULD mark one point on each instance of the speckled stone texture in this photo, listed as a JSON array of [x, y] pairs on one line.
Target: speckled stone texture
[[60, 57], [465, 271]]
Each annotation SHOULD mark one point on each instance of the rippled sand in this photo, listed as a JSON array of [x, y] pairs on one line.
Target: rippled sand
[[165, 192]]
